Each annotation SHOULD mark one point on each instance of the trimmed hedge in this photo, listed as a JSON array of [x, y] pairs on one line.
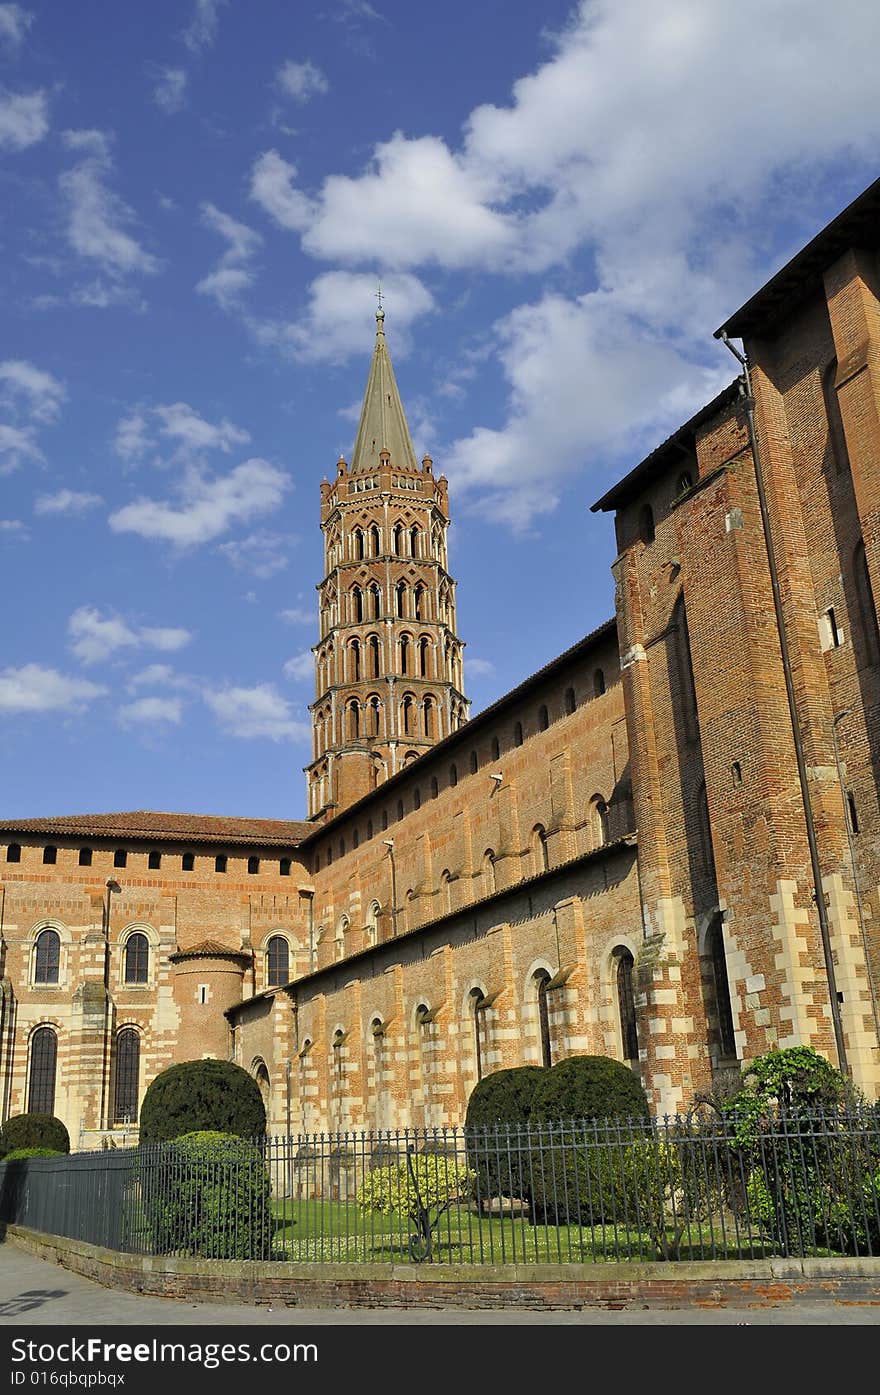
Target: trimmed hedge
[[499, 1103], [34, 1131], [18, 1153], [200, 1096], [207, 1193], [589, 1087]]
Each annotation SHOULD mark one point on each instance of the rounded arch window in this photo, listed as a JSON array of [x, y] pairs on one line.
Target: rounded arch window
[[599, 682], [626, 1007], [128, 1060], [13, 852], [542, 983], [277, 961], [137, 958], [41, 1077], [47, 957]]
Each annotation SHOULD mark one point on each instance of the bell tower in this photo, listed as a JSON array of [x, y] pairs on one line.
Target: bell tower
[[388, 663]]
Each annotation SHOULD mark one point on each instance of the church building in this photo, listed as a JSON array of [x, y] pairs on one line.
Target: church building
[[663, 846]]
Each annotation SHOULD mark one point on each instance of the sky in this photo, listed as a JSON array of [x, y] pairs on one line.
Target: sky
[[198, 199]]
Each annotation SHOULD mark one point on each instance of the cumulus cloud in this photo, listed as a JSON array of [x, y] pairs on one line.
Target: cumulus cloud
[[95, 637], [206, 507], [151, 711], [169, 93], [201, 31], [301, 667], [29, 398], [66, 501], [33, 688], [272, 188], [98, 219], [14, 24], [340, 302], [160, 676], [261, 554], [479, 668], [301, 81], [231, 276], [298, 615], [24, 118], [13, 530], [261, 711], [189, 434]]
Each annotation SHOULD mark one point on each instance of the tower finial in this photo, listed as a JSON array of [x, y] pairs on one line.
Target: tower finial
[[380, 313]]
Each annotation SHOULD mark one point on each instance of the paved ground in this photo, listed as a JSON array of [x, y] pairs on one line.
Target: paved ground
[[36, 1292]]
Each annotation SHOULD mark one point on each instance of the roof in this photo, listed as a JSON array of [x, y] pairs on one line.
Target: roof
[[383, 422], [209, 949], [161, 827], [664, 455], [857, 226]]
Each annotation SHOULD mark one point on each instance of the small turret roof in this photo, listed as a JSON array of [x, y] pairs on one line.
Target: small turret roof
[[383, 421]]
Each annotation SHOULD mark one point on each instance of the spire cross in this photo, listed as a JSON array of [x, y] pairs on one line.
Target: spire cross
[[379, 293]]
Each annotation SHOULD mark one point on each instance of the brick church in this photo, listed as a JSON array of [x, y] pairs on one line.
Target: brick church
[[662, 846]]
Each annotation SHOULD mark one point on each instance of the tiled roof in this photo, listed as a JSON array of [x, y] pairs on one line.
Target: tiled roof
[[209, 949], [161, 827]]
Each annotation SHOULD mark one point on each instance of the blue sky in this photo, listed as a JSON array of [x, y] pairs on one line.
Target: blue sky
[[196, 200]]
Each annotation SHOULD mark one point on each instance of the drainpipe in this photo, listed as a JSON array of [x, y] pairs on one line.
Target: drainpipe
[[818, 893]]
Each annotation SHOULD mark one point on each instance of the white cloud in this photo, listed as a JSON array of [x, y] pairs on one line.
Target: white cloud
[[299, 615], [131, 439], [149, 711], [160, 676], [190, 434], [255, 712], [24, 118], [13, 530], [94, 637], [261, 554], [201, 32], [66, 501], [301, 81], [17, 444], [169, 93], [207, 507], [340, 302], [37, 689], [230, 276], [272, 188], [97, 216], [41, 393], [479, 668], [14, 24], [301, 667]]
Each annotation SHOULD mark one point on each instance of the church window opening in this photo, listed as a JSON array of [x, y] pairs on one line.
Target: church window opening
[[435, 788], [375, 542], [419, 606], [120, 857], [414, 536], [737, 773], [540, 855], [154, 861], [137, 958], [599, 682], [187, 862], [284, 867], [50, 855], [354, 720], [41, 1081], [396, 537], [851, 812], [13, 852], [404, 654], [428, 718], [488, 871], [376, 599], [543, 718], [85, 857], [518, 734], [424, 644], [542, 982], [570, 701], [399, 809], [600, 819], [384, 820], [867, 609], [715, 946], [478, 1008], [373, 651], [646, 524], [253, 866], [220, 862], [125, 1094], [496, 748], [474, 762], [277, 961], [400, 598], [453, 775], [355, 838], [47, 957], [836, 433], [417, 798], [626, 1005], [355, 660]]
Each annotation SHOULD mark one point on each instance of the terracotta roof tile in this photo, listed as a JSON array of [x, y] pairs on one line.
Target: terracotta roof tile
[[162, 827], [209, 949]]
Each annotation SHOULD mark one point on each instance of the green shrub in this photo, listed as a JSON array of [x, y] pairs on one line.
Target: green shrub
[[498, 1108], [213, 1096], [588, 1088], [18, 1153], [207, 1193], [34, 1131]]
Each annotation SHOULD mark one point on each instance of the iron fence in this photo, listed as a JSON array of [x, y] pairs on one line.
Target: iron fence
[[576, 1191]]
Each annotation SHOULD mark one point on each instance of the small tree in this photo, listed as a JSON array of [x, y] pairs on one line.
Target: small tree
[[207, 1194], [498, 1111], [419, 1187], [207, 1095], [34, 1131], [589, 1088]]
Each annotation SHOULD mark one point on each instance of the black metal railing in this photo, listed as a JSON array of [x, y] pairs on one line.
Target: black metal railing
[[678, 1188]]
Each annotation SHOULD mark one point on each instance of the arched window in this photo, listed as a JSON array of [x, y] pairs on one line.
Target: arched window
[[187, 862], [474, 762], [626, 1005], [358, 541], [400, 598], [373, 651], [41, 1078], [685, 482], [369, 829], [376, 599], [646, 523], [542, 981], [154, 861], [128, 1060], [50, 855], [137, 958], [715, 947], [414, 536], [409, 715], [373, 715], [253, 866], [277, 961], [453, 775], [543, 718], [375, 542], [120, 857], [420, 603], [341, 928], [867, 609], [399, 809], [372, 924], [396, 540], [428, 713], [496, 749], [47, 957], [478, 1007], [424, 646], [836, 433], [435, 788], [600, 820], [446, 889], [540, 856], [355, 661], [85, 857], [354, 720], [220, 862], [404, 653], [518, 734], [687, 692], [284, 867], [13, 852], [488, 871], [570, 701], [599, 682]]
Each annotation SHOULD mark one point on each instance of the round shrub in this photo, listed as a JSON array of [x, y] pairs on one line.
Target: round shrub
[[498, 1109], [589, 1087], [34, 1131], [207, 1193], [18, 1153], [217, 1096]]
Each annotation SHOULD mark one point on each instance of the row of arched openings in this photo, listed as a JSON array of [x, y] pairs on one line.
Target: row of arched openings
[[43, 1072]]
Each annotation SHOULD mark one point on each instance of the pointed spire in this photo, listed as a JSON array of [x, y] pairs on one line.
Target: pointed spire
[[383, 421]]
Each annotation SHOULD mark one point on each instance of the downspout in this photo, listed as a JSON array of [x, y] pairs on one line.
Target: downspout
[[818, 893]]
